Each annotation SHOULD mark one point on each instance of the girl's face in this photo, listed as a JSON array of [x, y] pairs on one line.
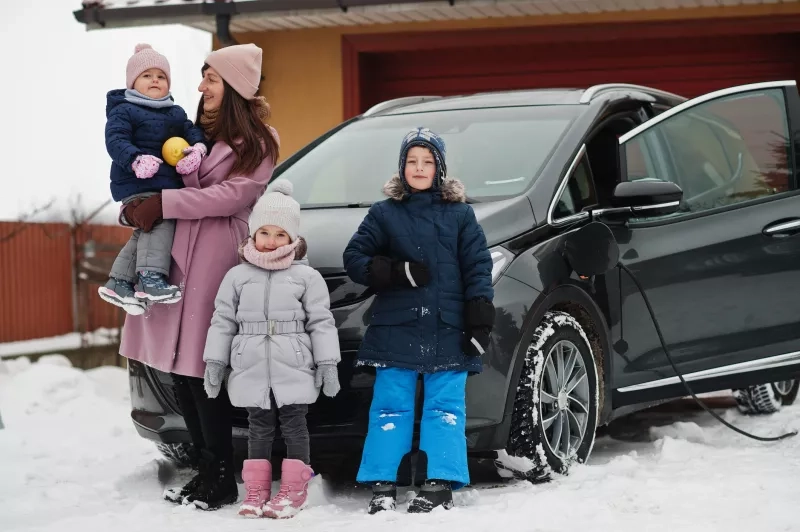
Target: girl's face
[[212, 88], [420, 168], [152, 83], [270, 237]]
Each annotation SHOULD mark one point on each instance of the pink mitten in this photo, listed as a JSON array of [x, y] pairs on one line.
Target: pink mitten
[[146, 166], [192, 157]]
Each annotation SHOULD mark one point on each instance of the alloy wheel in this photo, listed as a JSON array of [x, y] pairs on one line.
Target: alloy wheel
[[564, 399]]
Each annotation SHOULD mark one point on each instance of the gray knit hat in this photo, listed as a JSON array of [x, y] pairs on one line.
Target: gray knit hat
[[277, 207]]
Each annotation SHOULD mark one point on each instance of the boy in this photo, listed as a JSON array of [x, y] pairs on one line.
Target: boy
[[425, 255]]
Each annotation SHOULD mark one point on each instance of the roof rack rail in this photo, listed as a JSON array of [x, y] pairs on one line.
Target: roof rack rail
[[398, 102], [595, 90]]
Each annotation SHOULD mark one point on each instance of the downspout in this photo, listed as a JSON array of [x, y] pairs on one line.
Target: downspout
[[224, 30], [225, 37], [73, 259]]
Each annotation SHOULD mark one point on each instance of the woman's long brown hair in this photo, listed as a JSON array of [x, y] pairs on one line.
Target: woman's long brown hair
[[238, 125]]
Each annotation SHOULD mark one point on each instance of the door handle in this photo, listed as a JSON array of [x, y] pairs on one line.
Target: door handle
[[783, 229]]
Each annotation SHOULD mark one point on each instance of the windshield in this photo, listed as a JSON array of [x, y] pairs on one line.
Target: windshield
[[496, 152]]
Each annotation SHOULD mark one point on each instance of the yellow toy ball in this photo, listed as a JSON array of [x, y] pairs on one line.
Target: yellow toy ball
[[172, 150]]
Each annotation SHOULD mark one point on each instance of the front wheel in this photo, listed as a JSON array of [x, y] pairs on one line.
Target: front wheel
[[555, 408]]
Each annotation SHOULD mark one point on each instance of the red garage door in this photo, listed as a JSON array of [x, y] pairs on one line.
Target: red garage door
[[686, 65]]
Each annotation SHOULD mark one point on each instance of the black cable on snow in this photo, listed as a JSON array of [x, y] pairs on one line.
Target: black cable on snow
[[680, 376]]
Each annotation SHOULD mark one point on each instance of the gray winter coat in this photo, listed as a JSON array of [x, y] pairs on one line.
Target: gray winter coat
[[273, 327]]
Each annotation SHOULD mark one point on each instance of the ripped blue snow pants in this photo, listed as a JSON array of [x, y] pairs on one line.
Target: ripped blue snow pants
[[391, 425]]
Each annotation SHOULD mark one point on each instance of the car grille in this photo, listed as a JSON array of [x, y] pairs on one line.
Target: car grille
[[343, 291], [348, 407]]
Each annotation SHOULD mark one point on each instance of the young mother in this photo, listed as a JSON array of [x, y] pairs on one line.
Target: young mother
[[211, 215]]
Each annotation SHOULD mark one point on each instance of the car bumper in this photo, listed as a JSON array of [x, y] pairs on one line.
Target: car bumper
[[337, 421]]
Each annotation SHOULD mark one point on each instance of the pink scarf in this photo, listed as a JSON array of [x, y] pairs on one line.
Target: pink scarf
[[280, 259]]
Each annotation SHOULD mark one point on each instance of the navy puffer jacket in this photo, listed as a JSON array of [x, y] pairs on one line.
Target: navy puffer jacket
[[133, 130], [422, 328]]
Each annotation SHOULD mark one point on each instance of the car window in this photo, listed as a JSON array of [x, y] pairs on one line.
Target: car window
[[726, 151], [495, 152], [579, 194]]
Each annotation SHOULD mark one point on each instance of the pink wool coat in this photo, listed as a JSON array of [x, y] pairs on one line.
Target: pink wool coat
[[211, 215]]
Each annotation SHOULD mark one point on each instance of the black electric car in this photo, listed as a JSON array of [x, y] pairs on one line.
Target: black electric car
[[718, 260]]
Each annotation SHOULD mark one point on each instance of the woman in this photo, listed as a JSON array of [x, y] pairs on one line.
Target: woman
[[211, 215]]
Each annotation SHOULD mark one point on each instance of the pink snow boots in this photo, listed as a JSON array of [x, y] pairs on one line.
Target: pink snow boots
[[292, 496], [257, 476]]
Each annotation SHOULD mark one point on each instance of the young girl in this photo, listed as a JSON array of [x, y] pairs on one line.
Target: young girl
[[140, 119], [274, 328], [426, 257]]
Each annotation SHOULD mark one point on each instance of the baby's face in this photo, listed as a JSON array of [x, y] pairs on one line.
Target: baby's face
[[270, 237], [152, 83]]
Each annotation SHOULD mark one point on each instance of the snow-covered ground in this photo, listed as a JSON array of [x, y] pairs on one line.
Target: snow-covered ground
[[63, 342], [70, 461]]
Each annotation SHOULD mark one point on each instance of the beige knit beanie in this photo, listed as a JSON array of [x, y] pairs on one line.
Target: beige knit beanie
[[240, 66], [277, 207]]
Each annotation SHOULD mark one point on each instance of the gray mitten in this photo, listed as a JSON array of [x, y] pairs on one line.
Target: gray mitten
[[327, 378], [212, 380]]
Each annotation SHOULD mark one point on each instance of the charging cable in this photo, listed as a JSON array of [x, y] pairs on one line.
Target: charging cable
[[680, 376]]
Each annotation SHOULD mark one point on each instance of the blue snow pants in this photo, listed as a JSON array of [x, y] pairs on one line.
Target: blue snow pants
[[391, 425]]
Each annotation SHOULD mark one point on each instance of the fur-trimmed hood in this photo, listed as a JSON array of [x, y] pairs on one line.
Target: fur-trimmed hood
[[451, 190]]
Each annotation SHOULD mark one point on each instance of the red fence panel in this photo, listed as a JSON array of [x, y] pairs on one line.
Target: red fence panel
[[35, 286], [37, 264]]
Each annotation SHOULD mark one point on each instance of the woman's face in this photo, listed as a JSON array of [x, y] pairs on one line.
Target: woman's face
[[270, 237], [213, 90]]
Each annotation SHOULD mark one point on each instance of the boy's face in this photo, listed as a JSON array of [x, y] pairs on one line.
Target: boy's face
[[271, 237], [152, 83], [420, 168]]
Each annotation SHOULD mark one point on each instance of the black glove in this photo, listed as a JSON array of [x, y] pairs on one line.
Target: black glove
[[385, 273], [479, 335], [478, 323], [410, 274]]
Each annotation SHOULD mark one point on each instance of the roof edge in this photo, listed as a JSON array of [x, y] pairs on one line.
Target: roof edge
[[98, 17]]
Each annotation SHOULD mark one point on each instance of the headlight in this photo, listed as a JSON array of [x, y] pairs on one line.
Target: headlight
[[501, 258]]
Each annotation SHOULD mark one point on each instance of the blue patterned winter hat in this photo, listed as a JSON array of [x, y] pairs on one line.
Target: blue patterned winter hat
[[422, 136]]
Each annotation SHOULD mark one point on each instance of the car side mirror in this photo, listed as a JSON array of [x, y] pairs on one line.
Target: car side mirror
[[640, 199], [647, 198]]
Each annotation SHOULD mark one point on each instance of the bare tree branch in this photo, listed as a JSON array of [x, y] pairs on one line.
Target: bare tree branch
[[22, 222], [97, 211], [38, 210], [77, 218]]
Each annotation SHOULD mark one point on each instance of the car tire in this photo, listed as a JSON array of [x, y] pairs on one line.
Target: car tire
[[183, 455], [564, 397], [766, 398]]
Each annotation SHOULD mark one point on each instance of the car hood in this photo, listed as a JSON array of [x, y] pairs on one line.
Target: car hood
[[327, 231]]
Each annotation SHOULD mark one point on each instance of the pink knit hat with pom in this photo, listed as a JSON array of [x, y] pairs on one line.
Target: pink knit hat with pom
[[240, 66], [144, 58]]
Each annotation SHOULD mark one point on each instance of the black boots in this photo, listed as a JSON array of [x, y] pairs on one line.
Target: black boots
[[432, 494], [217, 486], [177, 495], [384, 497]]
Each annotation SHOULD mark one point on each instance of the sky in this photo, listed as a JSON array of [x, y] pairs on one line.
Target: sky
[[55, 76]]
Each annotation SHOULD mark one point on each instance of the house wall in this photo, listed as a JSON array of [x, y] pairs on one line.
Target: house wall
[[303, 68]]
